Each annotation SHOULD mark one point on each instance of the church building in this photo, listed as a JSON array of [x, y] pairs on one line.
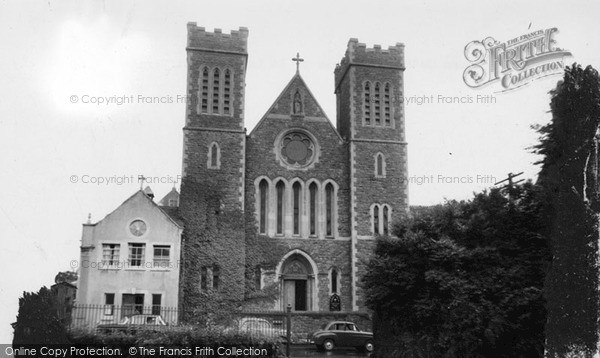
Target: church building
[[298, 201]]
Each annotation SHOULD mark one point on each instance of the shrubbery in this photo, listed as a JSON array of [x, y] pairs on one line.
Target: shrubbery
[[463, 279], [176, 337]]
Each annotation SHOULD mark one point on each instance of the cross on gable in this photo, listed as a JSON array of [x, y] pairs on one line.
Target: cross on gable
[[297, 59]]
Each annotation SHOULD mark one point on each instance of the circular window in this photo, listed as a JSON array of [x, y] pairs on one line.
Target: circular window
[[297, 149], [137, 227]]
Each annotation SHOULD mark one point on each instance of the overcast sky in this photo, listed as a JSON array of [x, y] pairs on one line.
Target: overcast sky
[[51, 51]]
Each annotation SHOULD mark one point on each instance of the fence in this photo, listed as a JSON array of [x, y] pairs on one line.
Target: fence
[[112, 317]]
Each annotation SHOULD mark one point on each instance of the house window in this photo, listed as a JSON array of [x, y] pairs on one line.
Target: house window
[[110, 254], [280, 191], [386, 105], [109, 302], [204, 91], [214, 156], [156, 302], [162, 256], [215, 90], [296, 190], [136, 254], [203, 278], [379, 165], [215, 277], [227, 93], [367, 103], [262, 188], [376, 219], [329, 209], [173, 202], [313, 208], [377, 104]]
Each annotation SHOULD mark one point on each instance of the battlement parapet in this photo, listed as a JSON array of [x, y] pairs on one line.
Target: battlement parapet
[[199, 38], [357, 53]]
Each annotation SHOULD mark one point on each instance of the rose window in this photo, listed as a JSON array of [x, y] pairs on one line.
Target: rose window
[[297, 149]]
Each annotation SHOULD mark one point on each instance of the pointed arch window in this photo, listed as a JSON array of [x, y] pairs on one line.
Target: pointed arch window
[[312, 191], [216, 90], [296, 203], [376, 219], [367, 103], [334, 281], [380, 165], [214, 156], [263, 187], [386, 105], [385, 220], [280, 188], [227, 93], [204, 91], [216, 272], [203, 278], [329, 209], [377, 104]]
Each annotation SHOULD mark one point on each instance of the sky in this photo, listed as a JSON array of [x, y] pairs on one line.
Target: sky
[[63, 155]]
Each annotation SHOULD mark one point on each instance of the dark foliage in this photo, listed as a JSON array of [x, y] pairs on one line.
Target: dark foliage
[[212, 229], [569, 145], [464, 279], [37, 320]]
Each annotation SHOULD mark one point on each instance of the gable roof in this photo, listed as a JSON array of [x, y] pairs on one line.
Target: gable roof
[[297, 82], [169, 214]]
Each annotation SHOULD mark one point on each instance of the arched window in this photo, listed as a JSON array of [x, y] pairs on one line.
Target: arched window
[[258, 277], [296, 203], [227, 93], [312, 189], [334, 281], [216, 90], [367, 103], [214, 156], [280, 188], [263, 187], [377, 103], [385, 219], [379, 165], [386, 105], [329, 209], [204, 91], [203, 277], [376, 219], [215, 277]]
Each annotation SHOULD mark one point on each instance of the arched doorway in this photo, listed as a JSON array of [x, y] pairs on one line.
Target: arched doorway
[[297, 282]]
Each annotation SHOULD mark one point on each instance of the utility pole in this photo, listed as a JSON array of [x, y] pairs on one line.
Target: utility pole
[[510, 186]]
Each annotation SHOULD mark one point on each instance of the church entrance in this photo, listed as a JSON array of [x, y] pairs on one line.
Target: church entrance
[[297, 281]]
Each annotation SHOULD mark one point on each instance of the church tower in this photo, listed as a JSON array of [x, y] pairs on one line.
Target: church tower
[[212, 192], [370, 117]]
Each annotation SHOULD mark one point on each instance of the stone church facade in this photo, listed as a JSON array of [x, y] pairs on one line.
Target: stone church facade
[[310, 197]]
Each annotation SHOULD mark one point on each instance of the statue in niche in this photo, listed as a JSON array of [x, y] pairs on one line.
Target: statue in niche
[[297, 103]]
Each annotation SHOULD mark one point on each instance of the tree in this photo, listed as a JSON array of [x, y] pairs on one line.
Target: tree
[[37, 320], [569, 145], [463, 279]]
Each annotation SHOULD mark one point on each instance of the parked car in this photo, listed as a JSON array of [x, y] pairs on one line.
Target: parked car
[[342, 334], [258, 328], [138, 322]]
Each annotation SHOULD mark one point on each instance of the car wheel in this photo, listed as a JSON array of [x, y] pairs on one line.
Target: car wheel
[[368, 347], [328, 344]]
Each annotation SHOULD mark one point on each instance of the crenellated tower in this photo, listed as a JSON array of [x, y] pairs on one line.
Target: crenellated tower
[[212, 192], [370, 117]]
